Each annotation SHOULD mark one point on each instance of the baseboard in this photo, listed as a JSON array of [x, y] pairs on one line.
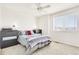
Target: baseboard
[[66, 44]]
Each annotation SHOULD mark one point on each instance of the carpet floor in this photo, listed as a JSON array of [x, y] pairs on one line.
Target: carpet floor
[[52, 49]]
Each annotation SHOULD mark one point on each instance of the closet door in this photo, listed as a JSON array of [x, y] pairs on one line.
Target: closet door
[[42, 23]]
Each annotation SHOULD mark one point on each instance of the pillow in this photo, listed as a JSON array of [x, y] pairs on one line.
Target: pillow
[[28, 32], [35, 35]]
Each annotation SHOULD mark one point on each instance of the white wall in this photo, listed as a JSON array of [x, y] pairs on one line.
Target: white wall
[[0, 17], [45, 23], [42, 23], [20, 15], [71, 38]]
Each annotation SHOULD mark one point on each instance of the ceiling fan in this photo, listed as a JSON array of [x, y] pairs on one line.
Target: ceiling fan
[[42, 6]]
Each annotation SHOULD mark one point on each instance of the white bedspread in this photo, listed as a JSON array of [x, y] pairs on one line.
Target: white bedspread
[[33, 40]]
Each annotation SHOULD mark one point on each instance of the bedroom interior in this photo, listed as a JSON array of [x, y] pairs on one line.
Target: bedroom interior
[[39, 29]]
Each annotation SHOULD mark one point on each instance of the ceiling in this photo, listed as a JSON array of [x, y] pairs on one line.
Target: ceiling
[[54, 7], [32, 7]]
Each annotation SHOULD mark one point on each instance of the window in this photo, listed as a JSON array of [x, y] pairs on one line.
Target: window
[[65, 23]]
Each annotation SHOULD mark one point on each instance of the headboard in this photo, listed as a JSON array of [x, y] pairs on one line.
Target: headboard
[[6, 37]]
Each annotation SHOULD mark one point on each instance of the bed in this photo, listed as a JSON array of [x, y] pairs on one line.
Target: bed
[[33, 42]]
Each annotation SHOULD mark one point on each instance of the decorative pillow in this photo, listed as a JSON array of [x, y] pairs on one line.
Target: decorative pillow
[[28, 32]]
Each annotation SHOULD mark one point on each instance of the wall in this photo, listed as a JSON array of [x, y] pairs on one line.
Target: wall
[[20, 15], [71, 38], [44, 23], [0, 17]]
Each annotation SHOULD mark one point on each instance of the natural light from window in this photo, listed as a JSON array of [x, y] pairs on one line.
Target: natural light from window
[[65, 23]]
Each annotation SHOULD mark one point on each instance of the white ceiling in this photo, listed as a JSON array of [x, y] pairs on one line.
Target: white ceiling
[[55, 7]]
